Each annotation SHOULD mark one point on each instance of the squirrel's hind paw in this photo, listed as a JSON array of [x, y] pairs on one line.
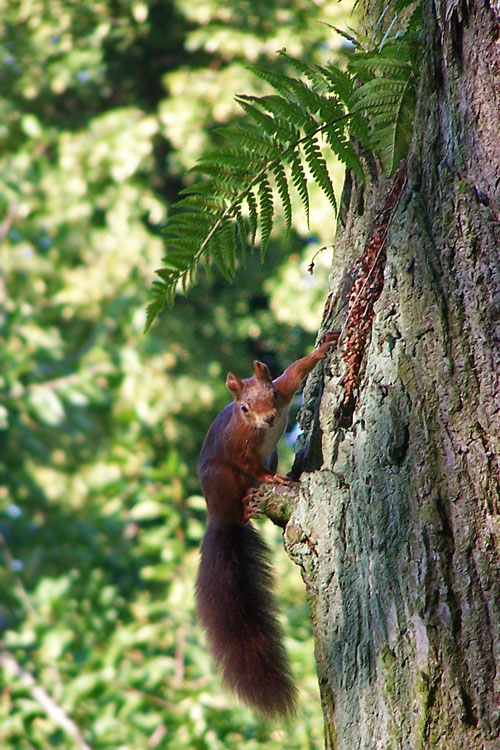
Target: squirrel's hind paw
[[251, 505]]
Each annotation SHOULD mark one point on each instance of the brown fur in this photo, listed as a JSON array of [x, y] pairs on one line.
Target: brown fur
[[235, 602]]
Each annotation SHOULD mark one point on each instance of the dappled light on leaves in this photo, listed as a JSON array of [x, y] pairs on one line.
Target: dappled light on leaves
[[105, 108]]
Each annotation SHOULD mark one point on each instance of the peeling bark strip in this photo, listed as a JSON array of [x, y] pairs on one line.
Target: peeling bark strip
[[365, 292]]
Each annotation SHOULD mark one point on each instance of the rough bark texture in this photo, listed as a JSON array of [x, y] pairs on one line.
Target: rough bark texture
[[397, 528]]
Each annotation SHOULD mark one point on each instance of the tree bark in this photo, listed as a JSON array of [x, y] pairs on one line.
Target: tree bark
[[397, 528]]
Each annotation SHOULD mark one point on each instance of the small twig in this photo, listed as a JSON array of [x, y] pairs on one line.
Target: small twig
[[157, 735], [54, 711], [72, 377], [310, 267], [150, 697], [179, 656], [276, 501]]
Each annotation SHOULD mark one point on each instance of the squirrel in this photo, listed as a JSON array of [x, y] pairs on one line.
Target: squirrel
[[234, 588]]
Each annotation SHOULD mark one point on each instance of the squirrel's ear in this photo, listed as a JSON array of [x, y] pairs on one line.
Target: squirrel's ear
[[261, 371], [234, 384]]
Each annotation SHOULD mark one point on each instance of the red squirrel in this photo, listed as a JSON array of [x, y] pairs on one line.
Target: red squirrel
[[234, 588]]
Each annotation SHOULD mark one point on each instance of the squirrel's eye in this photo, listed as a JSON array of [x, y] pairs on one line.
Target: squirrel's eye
[[275, 393], [244, 408]]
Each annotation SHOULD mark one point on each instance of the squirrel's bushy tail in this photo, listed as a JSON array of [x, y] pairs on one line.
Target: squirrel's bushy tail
[[237, 609]]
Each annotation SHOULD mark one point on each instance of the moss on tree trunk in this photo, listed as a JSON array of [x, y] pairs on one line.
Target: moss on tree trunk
[[397, 529]]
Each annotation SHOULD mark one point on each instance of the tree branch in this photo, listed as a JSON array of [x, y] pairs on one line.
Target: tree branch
[[54, 711], [276, 501]]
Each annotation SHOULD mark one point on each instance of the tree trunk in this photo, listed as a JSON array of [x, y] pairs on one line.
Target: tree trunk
[[397, 529]]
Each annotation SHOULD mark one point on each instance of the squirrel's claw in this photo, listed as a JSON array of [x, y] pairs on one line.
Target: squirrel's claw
[[251, 505], [274, 479], [280, 479], [329, 340]]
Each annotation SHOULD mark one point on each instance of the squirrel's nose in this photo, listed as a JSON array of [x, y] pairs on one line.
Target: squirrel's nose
[[269, 419]]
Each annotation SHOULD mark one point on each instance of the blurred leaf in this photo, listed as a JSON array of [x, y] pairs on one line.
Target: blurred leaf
[[46, 405], [147, 509]]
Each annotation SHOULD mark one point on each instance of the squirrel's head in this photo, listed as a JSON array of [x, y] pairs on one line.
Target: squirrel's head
[[257, 400]]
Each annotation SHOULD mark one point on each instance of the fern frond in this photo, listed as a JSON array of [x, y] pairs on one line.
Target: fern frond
[[242, 228], [317, 165], [378, 64], [306, 95], [376, 92], [266, 214], [285, 111], [229, 183], [204, 191], [216, 250], [228, 159], [162, 292], [228, 248], [176, 261], [196, 223], [339, 144], [290, 89], [248, 137], [300, 182], [252, 212], [283, 192], [388, 99], [391, 141], [269, 150], [265, 123], [338, 81], [312, 72]]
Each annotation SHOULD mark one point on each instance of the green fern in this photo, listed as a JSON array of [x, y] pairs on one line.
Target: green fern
[[387, 97], [275, 146], [264, 156], [388, 78]]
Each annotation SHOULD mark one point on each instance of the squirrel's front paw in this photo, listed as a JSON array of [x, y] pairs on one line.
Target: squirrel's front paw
[[328, 341]]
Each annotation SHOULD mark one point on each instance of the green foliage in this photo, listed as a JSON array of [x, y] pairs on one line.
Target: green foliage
[[279, 144], [388, 74], [264, 155], [387, 96], [100, 427]]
